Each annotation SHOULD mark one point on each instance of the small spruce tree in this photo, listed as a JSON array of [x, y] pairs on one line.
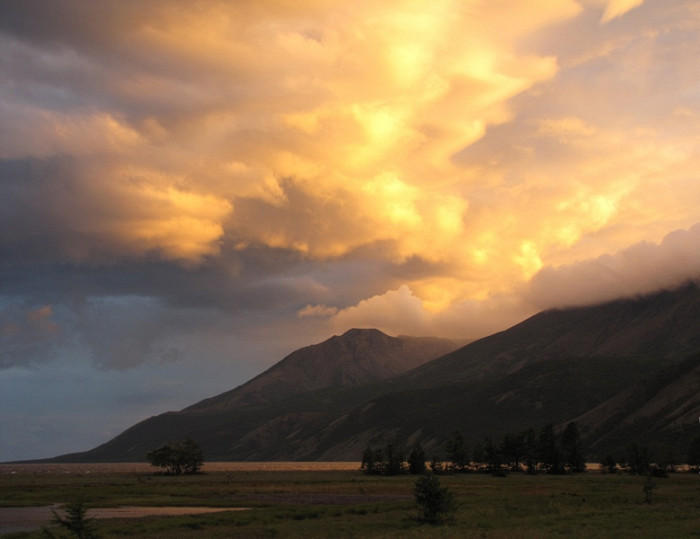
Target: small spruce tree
[[75, 521], [435, 504]]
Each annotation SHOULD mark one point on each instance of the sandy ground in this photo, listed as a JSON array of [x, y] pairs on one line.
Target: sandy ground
[[15, 519]]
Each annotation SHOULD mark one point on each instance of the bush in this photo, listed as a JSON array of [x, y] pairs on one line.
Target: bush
[[435, 504]]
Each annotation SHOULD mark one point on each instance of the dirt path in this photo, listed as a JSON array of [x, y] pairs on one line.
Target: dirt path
[[16, 519]]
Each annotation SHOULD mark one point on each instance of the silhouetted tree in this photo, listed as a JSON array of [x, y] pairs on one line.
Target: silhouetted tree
[[550, 456], [530, 456], [372, 461], [513, 449], [638, 460], [394, 456], [436, 466], [416, 459], [457, 452], [179, 457], [479, 457], [571, 446], [694, 453], [608, 464], [435, 504], [492, 458]]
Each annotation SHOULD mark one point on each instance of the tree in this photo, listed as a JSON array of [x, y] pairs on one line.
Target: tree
[[179, 457], [436, 465], [389, 461], [416, 459], [550, 456], [638, 460], [492, 458], [75, 521], [530, 451], [694, 453], [513, 449], [393, 458], [608, 464], [457, 452], [371, 461], [572, 448], [435, 504]]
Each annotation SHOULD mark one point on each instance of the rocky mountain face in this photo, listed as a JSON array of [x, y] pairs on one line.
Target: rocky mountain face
[[627, 370]]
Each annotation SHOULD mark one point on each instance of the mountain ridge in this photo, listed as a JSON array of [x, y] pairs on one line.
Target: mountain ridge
[[359, 356], [586, 364]]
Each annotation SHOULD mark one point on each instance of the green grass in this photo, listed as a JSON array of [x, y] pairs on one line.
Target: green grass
[[350, 504]]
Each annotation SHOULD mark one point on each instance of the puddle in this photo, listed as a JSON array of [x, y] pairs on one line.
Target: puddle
[[17, 519]]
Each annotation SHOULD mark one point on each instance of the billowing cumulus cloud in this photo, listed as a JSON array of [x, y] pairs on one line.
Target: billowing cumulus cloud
[[179, 180]]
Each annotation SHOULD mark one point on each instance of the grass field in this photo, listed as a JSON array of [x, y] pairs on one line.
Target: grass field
[[350, 504]]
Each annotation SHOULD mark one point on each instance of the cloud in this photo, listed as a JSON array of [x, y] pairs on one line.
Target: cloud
[[397, 311], [123, 332], [285, 156], [317, 310], [617, 8], [639, 269], [355, 111], [28, 335], [94, 212]]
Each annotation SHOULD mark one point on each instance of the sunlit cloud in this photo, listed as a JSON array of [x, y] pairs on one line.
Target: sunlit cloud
[[617, 8], [444, 133]]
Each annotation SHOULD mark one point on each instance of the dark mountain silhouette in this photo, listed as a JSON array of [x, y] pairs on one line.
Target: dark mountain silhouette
[[359, 356], [627, 370]]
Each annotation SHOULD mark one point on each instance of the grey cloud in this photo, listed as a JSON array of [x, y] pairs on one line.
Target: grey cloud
[[29, 334], [125, 332]]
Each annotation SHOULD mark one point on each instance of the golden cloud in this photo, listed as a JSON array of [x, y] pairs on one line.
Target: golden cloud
[[323, 129]]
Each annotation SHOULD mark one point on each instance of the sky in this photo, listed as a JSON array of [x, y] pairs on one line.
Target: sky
[[190, 191]]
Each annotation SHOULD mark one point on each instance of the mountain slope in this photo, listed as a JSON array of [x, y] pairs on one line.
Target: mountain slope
[[304, 388], [661, 327], [660, 411], [359, 356], [327, 402]]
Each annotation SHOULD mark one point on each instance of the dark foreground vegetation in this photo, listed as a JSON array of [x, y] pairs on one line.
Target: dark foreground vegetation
[[352, 504]]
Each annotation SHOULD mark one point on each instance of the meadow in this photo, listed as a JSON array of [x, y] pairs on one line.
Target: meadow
[[325, 502]]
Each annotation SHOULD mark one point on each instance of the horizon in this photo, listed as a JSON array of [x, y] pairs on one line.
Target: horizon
[[191, 192]]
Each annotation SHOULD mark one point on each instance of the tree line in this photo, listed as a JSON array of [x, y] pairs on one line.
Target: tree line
[[549, 450]]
